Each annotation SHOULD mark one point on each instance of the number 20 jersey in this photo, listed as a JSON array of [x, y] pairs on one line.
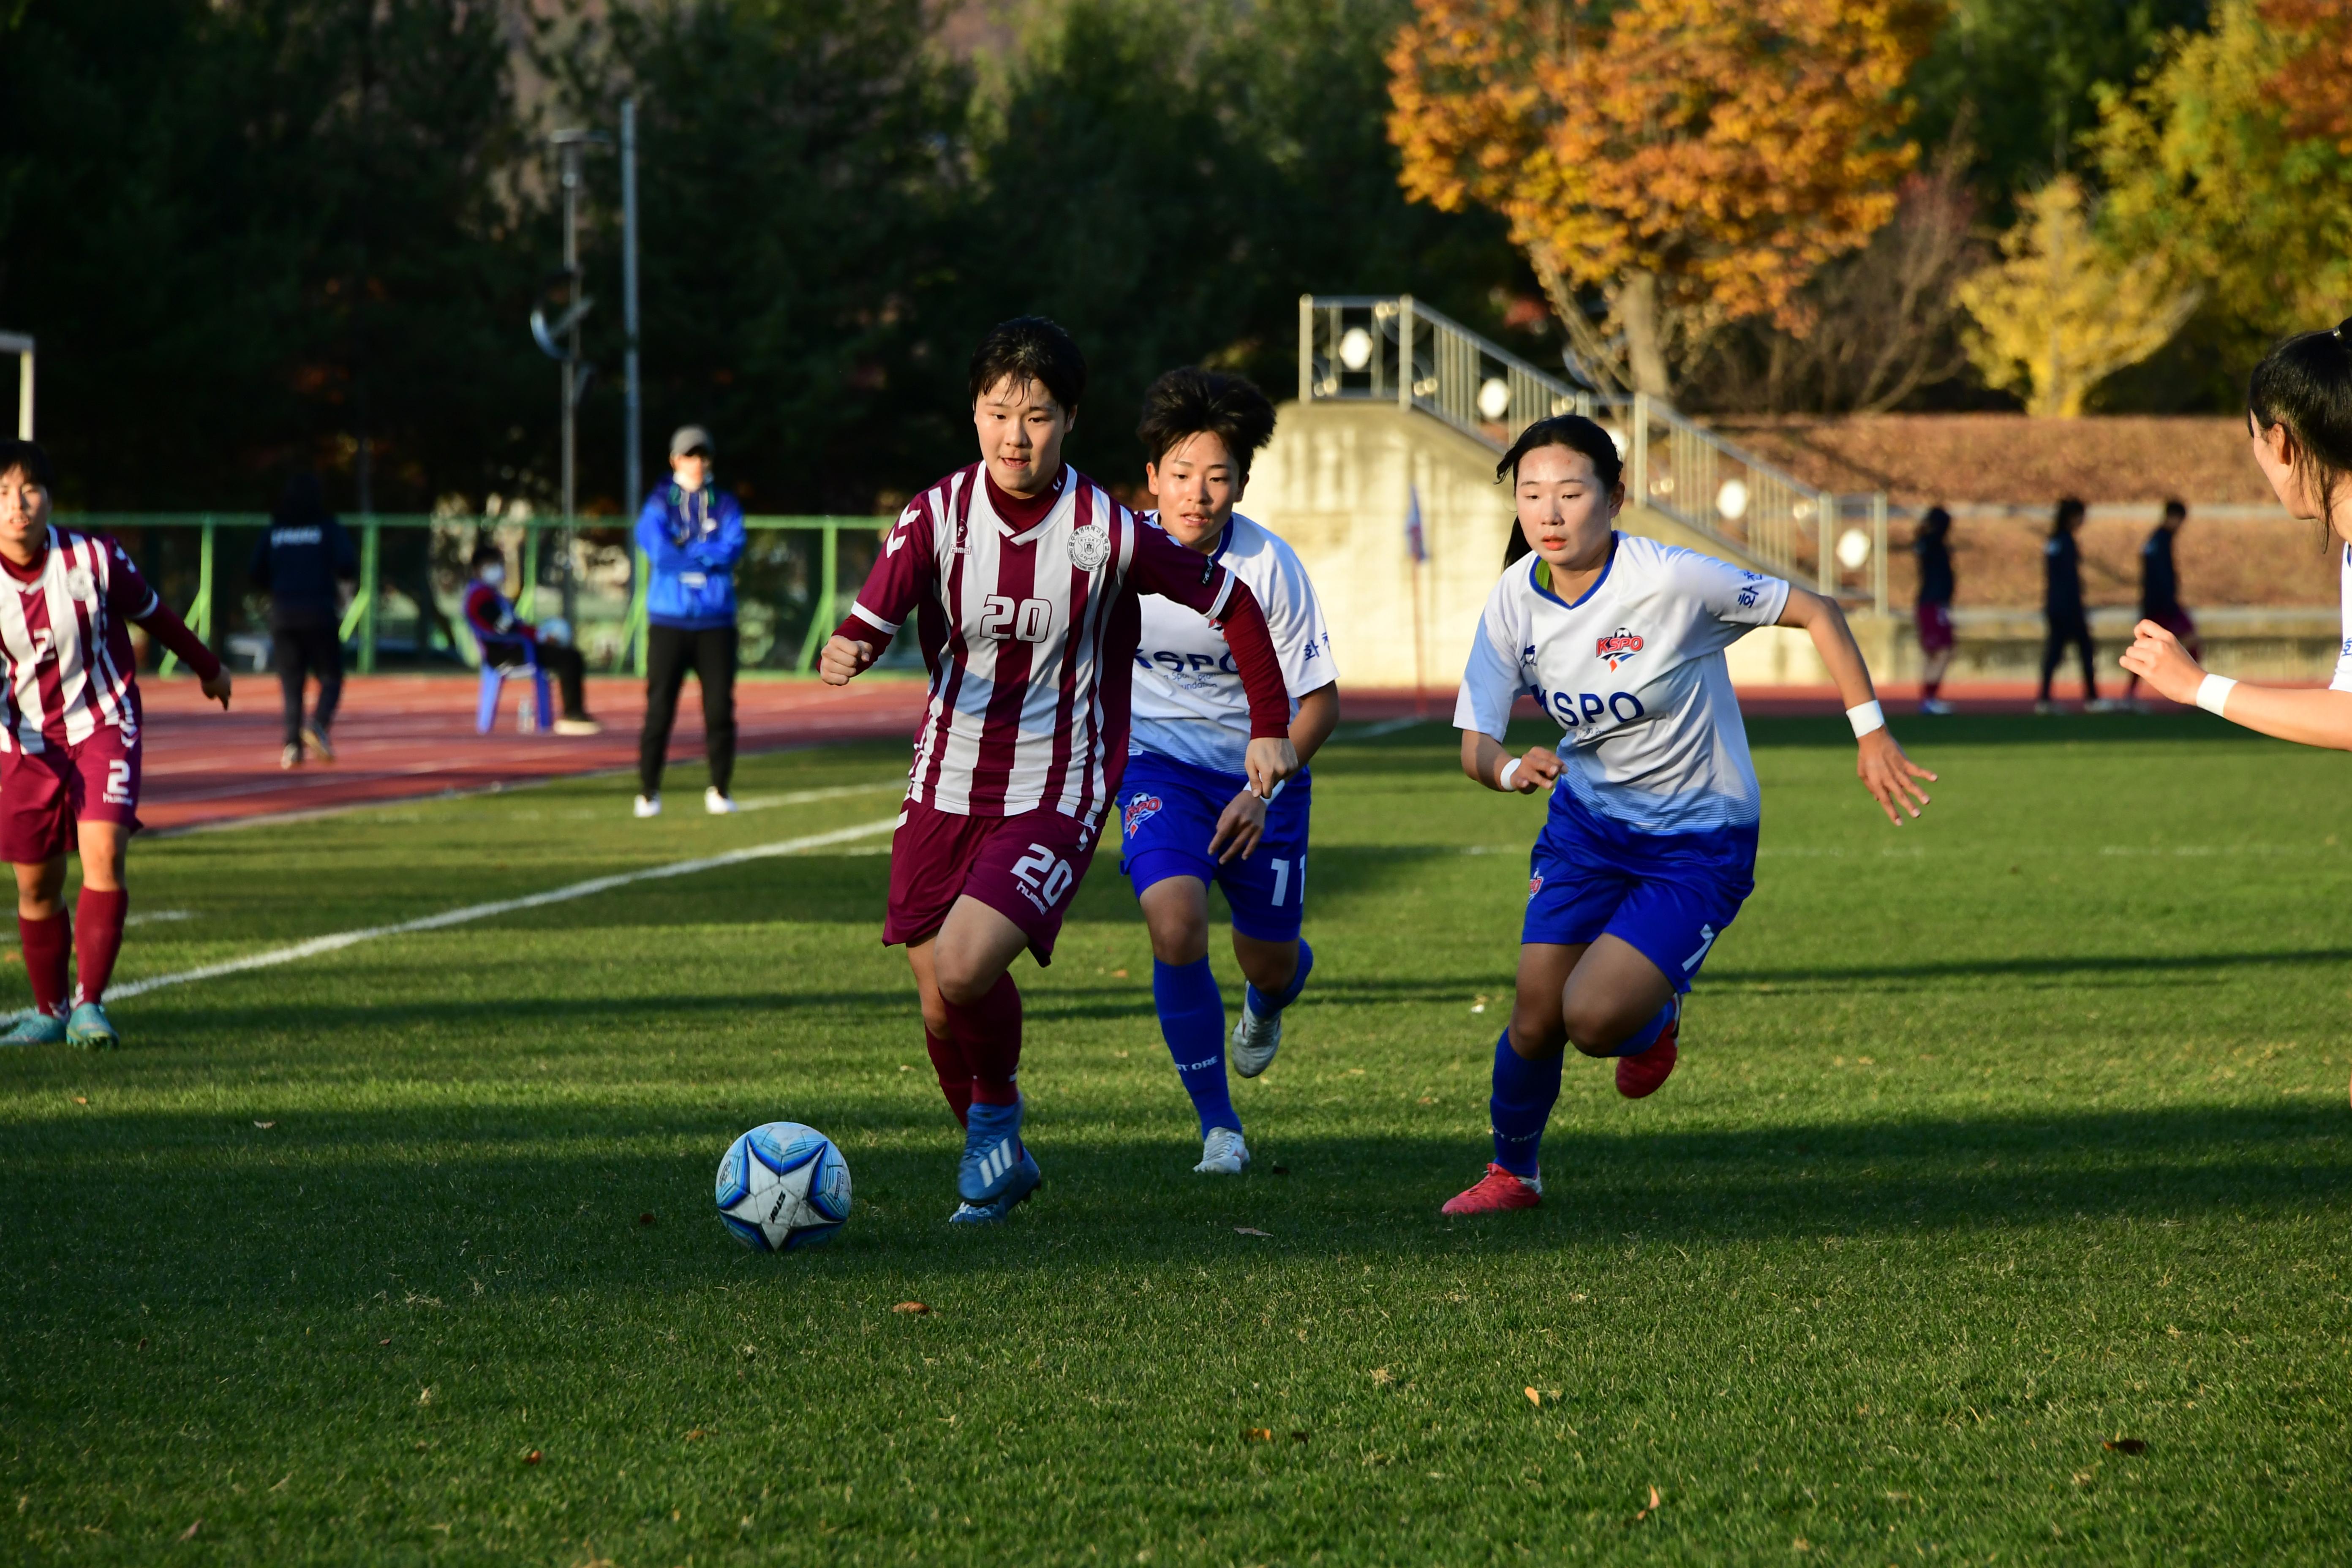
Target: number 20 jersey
[[1632, 672], [1030, 635]]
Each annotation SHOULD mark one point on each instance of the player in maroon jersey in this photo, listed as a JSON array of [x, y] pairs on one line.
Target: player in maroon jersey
[[1024, 578], [70, 742]]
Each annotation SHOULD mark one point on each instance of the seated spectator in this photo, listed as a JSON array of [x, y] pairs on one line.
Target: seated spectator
[[507, 641]]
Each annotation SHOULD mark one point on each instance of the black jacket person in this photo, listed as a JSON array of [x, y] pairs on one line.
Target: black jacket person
[[299, 562]]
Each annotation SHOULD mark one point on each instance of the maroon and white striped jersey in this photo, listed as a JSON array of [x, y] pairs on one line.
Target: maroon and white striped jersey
[[65, 641], [1029, 626]]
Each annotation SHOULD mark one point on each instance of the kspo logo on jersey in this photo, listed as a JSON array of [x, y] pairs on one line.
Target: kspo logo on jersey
[[1583, 709], [1139, 810], [1182, 664], [1616, 647]]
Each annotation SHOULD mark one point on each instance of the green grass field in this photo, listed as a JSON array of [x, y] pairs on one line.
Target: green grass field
[[1995, 1140]]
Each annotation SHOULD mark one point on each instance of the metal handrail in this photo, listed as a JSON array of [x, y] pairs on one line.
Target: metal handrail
[[1394, 348], [360, 620]]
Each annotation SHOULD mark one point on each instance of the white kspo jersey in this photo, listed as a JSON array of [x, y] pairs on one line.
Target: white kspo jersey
[[1189, 701], [1634, 674], [2343, 681]]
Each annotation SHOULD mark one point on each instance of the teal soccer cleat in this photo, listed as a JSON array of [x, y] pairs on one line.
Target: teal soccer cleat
[[35, 1029], [92, 1029]]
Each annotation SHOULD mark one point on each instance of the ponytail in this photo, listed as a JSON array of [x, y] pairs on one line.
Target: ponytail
[[2305, 385]]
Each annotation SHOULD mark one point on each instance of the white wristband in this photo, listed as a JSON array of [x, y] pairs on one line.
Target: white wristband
[[1503, 779], [1865, 717], [2212, 692]]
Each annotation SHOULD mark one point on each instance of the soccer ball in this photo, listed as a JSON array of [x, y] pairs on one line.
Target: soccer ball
[[782, 1186]]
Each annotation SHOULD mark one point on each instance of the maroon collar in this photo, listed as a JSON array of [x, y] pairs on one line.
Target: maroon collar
[[1021, 513]]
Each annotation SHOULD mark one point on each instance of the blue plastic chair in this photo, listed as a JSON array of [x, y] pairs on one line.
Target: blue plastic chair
[[494, 679]]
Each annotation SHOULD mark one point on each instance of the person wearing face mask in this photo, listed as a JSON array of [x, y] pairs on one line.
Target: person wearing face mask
[[692, 535], [507, 641]]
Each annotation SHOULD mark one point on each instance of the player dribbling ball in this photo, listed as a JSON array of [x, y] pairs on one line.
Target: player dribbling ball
[[1649, 848]]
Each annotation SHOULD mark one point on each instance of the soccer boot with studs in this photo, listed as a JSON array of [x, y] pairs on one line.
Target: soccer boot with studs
[[1642, 1073], [993, 1211], [1256, 1037], [92, 1029], [1223, 1153], [996, 1164], [35, 1029], [1496, 1190]]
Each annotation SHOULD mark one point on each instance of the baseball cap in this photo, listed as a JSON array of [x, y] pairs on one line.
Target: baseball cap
[[687, 437]]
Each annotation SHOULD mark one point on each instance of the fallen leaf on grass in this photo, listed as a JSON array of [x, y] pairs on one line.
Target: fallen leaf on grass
[[425, 1397], [1534, 1398], [1646, 1512], [1382, 1377], [1119, 974], [190, 1533], [142, 1342], [1256, 1435], [644, 1219], [904, 1068], [81, 1100], [1801, 1544], [2127, 1444], [383, 1341], [1250, 1230], [265, 1126], [531, 1458], [696, 1433], [915, 1307]]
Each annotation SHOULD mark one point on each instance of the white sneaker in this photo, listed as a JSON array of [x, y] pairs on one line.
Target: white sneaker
[[1935, 705], [649, 806], [717, 804], [1255, 1041], [1223, 1153]]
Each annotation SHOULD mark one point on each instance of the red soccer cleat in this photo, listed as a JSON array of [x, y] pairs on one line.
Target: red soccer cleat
[[1496, 1191], [1645, 1071]]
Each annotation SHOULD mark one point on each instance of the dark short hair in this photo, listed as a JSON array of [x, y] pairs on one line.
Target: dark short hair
[[29, 456], [1030, 349], [484, 553], [2175, 507], [1937, 521], [2071, 510], [1576, 433], [1192, 402], [2305, 385]]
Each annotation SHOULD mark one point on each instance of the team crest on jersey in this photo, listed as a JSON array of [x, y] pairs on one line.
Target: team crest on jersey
[[1616, 647], [1090, 546], [79, 584], [1534, 884], [1138, 811]]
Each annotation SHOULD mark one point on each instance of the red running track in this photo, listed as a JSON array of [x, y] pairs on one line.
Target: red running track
[[402, 736]]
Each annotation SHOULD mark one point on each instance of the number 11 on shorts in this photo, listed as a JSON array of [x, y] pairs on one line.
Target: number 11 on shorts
[[1282, 880]]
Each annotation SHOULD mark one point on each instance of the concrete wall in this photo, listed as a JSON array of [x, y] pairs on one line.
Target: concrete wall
[[1336, 483]]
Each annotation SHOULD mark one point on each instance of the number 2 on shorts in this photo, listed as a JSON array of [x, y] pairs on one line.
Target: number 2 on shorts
[[1045, 873]]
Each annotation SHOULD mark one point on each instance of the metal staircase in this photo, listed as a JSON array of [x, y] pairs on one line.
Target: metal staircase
[[1392, 348]]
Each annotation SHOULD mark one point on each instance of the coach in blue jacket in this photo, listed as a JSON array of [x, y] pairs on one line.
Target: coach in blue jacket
[[692, 534]]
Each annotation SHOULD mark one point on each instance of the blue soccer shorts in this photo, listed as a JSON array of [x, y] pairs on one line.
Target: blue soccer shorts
[[1168, 812], [1669, 895]]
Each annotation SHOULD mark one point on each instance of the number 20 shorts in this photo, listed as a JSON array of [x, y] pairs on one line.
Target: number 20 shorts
[[1025, 867]]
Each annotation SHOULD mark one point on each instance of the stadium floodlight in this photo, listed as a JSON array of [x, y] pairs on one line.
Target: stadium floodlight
[[560, 339], [21, 345]]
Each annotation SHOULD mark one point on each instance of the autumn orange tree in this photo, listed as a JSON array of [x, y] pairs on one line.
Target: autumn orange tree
[[1686, 161]]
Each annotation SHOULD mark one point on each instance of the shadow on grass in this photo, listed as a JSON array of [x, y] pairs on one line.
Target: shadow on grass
[[104, 1208]]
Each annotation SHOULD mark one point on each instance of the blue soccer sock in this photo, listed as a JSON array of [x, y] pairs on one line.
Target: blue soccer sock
[[1521, 1104], [1192, 1021], [1643, 1038], [1265, 1006]]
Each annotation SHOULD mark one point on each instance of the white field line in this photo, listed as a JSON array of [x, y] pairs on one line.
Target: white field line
[[1378, 728], [802, 796], [338, 941]]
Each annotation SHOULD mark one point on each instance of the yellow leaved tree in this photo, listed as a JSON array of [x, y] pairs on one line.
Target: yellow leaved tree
[[2060, 311], [1687, 162]]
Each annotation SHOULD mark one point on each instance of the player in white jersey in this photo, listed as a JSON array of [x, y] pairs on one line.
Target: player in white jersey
[[1650, 845], [1188, 814]]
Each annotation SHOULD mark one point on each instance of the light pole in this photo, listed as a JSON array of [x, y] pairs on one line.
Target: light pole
[[21, 346], [560, 339], [632, 459]]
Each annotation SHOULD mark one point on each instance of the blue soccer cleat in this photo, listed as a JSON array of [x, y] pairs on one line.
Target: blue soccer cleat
[[993, 1211], [996, 1164], [35, 1029], [92, 1029]]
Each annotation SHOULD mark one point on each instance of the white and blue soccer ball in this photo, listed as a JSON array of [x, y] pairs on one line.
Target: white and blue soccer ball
[[782, 1186]]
